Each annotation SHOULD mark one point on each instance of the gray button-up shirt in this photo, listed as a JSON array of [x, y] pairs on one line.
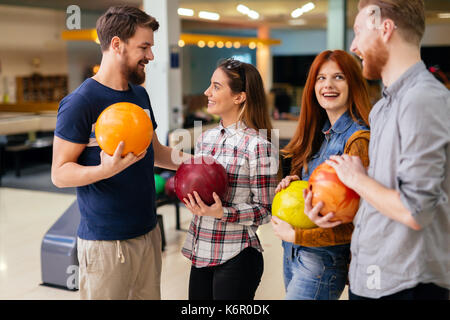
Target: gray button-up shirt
[[409, 151]]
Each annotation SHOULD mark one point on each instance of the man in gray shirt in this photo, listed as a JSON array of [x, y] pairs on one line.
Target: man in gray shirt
[[400, 244]]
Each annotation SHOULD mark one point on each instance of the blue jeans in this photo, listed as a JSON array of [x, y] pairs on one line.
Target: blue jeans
[[315, 273]]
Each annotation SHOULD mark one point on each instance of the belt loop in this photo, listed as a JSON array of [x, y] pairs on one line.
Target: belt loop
[[119, 252]]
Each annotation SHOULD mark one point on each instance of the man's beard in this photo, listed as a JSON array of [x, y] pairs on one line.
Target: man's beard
[[375, 58], [133, 74]]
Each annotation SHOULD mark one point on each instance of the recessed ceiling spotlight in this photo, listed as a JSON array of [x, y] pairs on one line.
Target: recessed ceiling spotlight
[[209, 15], [253, 15], [242, 9], [299, 11], [185, 12]]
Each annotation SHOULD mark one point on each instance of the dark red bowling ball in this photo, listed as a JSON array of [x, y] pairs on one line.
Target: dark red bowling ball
[[169, 188], [204, 175]]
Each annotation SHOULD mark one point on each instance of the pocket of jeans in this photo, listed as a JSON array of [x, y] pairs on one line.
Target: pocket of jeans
[[332, 287], [336, 285], [339, 258], [310, 263]]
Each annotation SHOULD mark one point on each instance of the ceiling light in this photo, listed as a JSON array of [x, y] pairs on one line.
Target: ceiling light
[[209, 15], [242, 9], [308, 7], [253, 14], [185, 12], [297, 13], [445, 15]]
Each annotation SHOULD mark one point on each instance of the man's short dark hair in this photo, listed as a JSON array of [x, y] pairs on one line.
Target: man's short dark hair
[[122, 21]]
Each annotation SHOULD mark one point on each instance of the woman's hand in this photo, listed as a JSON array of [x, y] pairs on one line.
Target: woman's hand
[[283, 230], [313, 212], [286, 182], [196, 205]]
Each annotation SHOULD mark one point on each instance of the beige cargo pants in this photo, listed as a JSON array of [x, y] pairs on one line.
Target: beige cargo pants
[[120, 270]]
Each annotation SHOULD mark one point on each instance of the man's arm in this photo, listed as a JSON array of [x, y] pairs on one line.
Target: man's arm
[[66, 172], [423, 121], [167, 157], [387, 201]]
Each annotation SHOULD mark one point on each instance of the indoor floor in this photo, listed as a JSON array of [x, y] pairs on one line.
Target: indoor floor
[[26, 215]]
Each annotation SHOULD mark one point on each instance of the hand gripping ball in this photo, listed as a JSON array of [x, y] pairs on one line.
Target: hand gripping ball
[[336, 196], [124, 121], [204, 175], [289, 205]]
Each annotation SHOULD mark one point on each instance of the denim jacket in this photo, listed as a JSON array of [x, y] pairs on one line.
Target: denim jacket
[[334, 142]]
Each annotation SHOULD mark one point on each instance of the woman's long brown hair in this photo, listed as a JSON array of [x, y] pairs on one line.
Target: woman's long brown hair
[[245, 77], [308, 136]]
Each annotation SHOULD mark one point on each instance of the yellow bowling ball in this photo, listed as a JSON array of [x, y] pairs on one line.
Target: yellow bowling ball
[[288, 205]]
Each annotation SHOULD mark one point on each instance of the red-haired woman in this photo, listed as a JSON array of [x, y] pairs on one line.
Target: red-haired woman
[[333, 120]]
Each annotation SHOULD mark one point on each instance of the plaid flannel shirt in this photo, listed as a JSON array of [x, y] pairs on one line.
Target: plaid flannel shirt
[[252, 165]]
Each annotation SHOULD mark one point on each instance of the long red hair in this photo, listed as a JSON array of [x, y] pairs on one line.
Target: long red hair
[[308, 136]]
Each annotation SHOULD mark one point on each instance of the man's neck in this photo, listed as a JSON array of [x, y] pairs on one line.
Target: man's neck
[[109, 76], [400, 60]]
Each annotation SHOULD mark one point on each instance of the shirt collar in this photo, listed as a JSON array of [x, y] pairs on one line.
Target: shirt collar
[[403, 80], [232, 129], [341, 125]]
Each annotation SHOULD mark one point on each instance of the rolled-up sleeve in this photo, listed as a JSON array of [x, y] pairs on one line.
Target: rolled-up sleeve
[[424, 125], [263, 165]]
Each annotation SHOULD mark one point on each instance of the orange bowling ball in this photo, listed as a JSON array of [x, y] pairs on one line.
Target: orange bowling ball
[[124, 121], [336, 196]]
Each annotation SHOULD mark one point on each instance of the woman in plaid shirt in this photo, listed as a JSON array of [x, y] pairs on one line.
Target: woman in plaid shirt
[[222, 243]]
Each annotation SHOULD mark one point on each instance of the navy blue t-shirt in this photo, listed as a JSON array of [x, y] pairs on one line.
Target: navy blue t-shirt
[[123, 206]]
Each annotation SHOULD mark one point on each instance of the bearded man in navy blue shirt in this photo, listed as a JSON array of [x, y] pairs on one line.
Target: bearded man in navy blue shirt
[[119, 241]]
